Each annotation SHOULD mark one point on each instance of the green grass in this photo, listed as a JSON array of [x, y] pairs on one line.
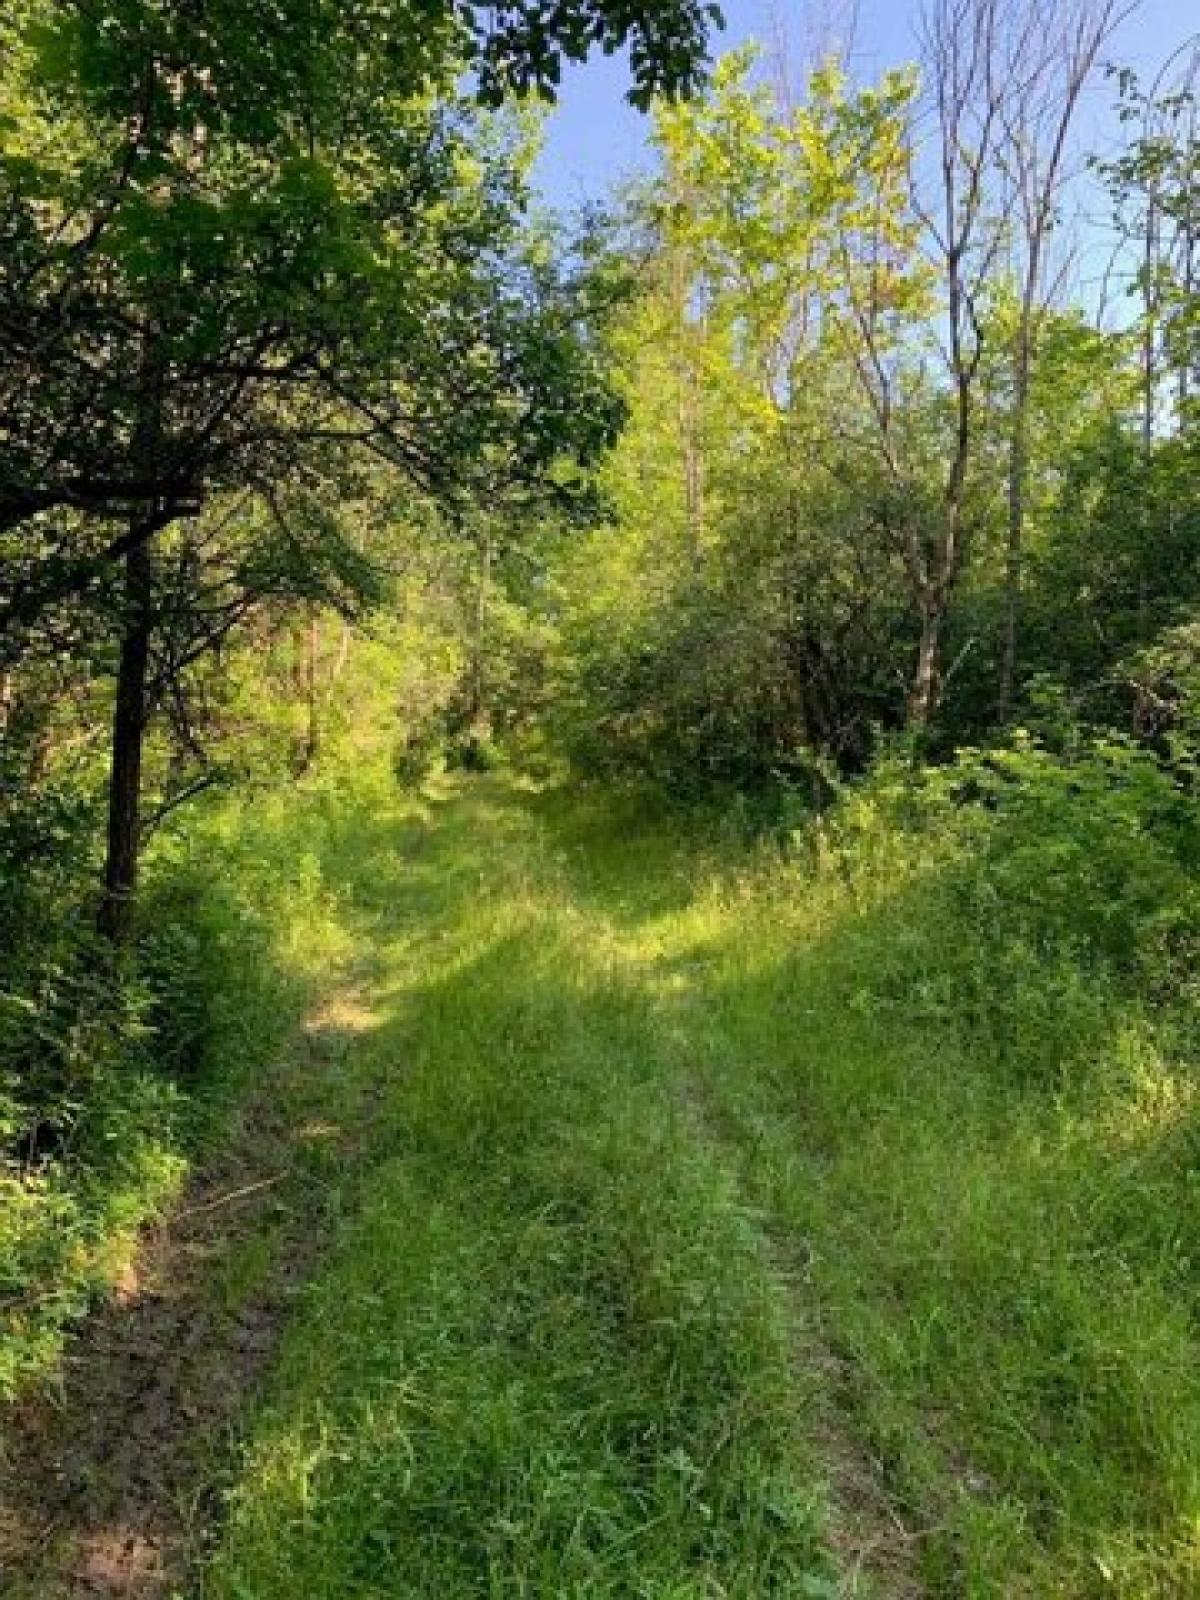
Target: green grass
[[551, 1355], [242, 923], [707, 1205], [680, 1152]]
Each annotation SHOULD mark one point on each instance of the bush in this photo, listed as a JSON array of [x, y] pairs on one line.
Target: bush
[[1027, 891], [473, 753], [416, 756]]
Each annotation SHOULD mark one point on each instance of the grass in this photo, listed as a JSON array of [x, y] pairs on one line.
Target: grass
[[724, 1222], [1002, 1271], [551, 1355], [242, 922], [692, 1206]]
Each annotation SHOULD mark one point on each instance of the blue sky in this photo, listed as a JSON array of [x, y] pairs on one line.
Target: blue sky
[[593, 137]]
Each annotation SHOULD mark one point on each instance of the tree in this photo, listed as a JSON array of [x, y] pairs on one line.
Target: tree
[[1047, 70], [227, 245], [749, 641], [1155, 185], [962, 58]]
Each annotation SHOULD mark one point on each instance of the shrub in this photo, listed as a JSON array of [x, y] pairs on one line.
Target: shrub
[[1026, 890]]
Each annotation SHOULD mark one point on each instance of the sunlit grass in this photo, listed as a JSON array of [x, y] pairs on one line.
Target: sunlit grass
[[681, 1156], [551, 1356]]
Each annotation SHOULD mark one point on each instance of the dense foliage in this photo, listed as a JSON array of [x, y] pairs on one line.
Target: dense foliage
[[808, 519], [276, 333], [794, 469]]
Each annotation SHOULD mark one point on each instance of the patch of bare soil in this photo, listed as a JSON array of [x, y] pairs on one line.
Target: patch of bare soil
[[113, 1488]]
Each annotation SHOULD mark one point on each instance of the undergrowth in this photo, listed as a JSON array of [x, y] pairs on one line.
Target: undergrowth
[[685, 1150], [115, 1075]]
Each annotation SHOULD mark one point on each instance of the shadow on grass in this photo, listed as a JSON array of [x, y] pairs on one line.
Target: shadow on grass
[[623, 852], [985, 1145], [549, 1349], [549, 1355]]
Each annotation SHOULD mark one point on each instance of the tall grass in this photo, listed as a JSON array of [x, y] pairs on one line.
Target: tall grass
[[684, 1149], [682, 1155], [550, 1356], [112, 1079], [956, 1049]]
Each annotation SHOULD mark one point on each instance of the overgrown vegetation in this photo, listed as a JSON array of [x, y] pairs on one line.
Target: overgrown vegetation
[[272, 326], [594, 1394], [115, 1081], [683, 1148], [724, 675]]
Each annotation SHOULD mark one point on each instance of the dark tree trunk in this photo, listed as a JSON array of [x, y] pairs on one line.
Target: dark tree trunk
[[478, 712], [306, 646], [116, 916], [312, 742], [925, 692]]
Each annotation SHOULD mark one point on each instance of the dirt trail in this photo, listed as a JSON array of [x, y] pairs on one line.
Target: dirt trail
[[876, 1550], [114, 1488]]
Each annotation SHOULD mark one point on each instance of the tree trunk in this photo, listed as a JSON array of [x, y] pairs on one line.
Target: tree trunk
[[478, 699], [687, 400], [312, 741], [922, 700], [1018, 472], [306, 645], [339, 665], [1149, 324], [693, 460], [115, 920]]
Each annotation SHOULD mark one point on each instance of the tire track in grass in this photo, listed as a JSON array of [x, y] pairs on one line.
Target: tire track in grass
[[548, 1358], [873, 1546], [633, 878], [111, 1488], [552, 1350]]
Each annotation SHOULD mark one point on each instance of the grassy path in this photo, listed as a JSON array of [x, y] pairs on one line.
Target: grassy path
[[112, 1485], [647, 1256], [554, 1354]]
